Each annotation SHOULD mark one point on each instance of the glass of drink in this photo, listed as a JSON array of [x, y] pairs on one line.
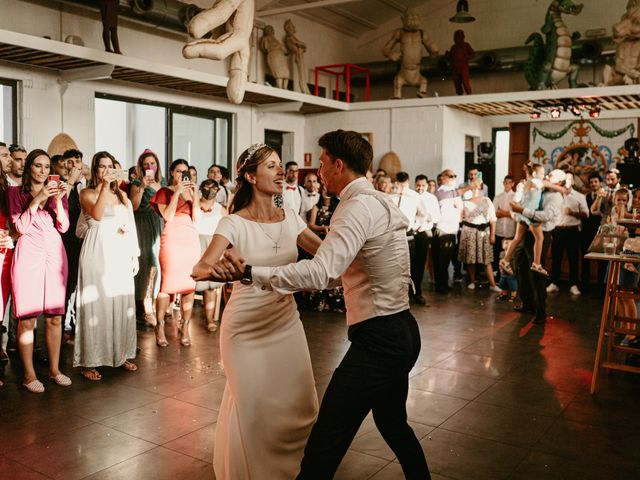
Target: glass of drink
[[609, 246], [635, 214]]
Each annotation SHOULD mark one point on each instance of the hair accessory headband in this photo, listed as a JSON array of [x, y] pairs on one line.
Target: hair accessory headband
[[250, 153]]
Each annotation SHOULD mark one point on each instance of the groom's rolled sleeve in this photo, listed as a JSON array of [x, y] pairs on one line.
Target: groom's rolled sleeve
[[350, 228]]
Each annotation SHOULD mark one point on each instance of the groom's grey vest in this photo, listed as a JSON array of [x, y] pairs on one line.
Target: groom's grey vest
[[377, 281]]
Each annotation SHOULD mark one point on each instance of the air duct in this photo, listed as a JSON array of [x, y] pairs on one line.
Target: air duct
[[168, 14], [586, 52]]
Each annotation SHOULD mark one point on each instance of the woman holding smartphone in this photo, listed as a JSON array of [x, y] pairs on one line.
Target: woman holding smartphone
[[179, 206], [39, 211], [105, 305], [148, 227]]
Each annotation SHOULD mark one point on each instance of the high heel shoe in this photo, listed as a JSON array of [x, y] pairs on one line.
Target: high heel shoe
[[160, 342], [185, 341]]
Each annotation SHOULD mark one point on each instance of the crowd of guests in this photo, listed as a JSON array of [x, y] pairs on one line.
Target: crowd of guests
[[456, 224], [92, 248]]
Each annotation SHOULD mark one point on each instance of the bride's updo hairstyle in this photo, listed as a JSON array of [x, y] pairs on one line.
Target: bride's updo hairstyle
[[248, 163]]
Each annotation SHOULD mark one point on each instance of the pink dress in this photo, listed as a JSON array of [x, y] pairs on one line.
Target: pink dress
[[39, 271], [179, 245]]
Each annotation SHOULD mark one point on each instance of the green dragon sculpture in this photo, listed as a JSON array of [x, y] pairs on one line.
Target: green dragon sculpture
[[550, 62]]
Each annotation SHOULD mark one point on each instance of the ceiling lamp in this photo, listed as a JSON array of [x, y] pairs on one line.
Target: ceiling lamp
[[594, 112], [462, 13], [555, 112], [535, 114]]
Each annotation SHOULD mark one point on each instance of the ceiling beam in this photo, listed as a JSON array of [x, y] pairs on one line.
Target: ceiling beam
[[350, 32], [354, 18], [395, 5], [301, 6], [98, 72]]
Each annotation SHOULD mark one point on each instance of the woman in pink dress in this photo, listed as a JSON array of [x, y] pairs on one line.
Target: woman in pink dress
[[6, 243], [39, 212], [179, 206]]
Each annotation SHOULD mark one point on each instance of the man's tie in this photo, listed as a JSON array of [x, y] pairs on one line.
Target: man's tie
[[290, 187]]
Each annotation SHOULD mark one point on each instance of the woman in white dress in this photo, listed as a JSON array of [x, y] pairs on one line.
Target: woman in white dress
[[105, 299], [269, 403], [210, 214]]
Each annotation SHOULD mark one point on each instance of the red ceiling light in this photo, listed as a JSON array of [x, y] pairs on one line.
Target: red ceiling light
[[555, 112], [594, 112], [535, 114]]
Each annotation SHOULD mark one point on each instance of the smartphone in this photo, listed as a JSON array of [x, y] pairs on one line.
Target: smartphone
[[186, 177], [53, 180], [149, 172], [479, 175]]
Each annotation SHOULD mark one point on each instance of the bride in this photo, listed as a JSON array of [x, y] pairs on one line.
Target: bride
[[269, 403]]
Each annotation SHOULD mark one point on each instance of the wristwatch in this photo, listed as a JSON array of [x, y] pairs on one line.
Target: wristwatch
[[247, 279]]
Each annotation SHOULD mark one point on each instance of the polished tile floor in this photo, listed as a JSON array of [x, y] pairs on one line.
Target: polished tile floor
[[492, 397]]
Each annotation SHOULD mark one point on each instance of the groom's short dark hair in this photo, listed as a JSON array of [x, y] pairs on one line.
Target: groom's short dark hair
[[351, 147]]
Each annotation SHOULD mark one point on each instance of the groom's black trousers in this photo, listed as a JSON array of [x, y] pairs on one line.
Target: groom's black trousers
[[373, 376]]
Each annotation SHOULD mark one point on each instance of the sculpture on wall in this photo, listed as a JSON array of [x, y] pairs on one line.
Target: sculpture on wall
[[550, 62], [626, 35], [109, 15], [235, 42], [297, 48], [459, 56], [411, 39], [276, 57]]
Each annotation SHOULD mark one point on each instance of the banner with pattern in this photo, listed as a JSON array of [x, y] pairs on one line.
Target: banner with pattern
[[586, 145]]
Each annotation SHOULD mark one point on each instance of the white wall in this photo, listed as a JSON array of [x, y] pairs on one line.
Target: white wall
[[45, 112], [427, 139]]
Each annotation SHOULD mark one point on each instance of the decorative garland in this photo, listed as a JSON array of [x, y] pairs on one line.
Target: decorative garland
[[605, 133]]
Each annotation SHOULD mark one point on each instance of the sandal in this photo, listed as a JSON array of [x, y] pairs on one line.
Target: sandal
[[212, 327], [61, 379], [186, 342], [536, 267], [34, 386], [91, 374], [129, 366], [506, 266]]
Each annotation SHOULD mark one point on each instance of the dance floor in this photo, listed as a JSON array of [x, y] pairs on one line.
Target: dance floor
[[492, 397]]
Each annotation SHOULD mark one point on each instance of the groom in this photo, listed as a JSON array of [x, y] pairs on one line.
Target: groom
[[367, 247]]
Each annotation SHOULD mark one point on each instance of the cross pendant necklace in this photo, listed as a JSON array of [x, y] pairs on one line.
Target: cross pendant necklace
[[276, 243]]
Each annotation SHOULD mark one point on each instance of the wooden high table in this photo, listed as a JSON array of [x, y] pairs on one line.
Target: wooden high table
[[610, 318]]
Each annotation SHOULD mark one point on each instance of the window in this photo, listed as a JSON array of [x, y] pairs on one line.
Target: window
[[201, 137], [125, 127], [8, 111]]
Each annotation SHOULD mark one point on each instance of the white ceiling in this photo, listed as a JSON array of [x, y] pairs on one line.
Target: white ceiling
[[354, 18]]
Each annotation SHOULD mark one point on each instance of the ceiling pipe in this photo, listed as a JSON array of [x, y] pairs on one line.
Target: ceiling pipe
[[585, 52], [167, 14]]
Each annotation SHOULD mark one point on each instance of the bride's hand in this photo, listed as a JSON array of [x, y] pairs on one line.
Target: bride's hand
[[201, 271], [229, 268]]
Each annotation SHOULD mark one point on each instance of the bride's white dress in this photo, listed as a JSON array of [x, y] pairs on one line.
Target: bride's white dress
[[269, 403]]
